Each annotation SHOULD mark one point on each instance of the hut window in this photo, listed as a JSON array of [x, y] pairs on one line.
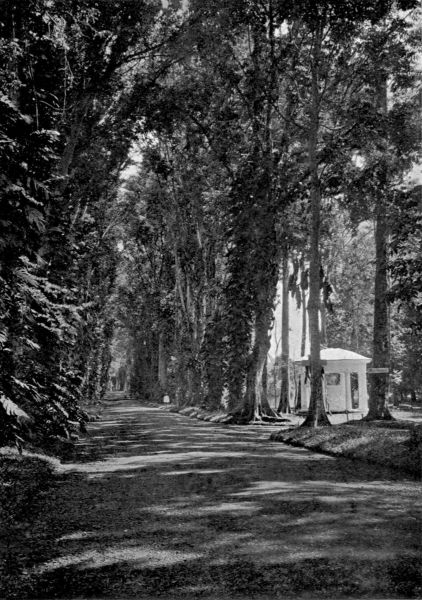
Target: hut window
[[332, 378], [354, 389]]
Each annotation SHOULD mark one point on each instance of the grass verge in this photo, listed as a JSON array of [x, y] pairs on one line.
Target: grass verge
[[222, 417], [398, 448], [25, 481]]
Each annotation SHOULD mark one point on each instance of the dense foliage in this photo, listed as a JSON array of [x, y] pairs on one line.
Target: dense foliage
[[257, 132], [230, 148], [61, 152]]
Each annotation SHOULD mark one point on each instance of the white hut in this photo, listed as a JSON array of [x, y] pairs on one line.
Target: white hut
[[343, 381]]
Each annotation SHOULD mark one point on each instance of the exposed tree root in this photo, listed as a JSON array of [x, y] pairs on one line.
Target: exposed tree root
[[385, 415], [257, 416], [321, 421]]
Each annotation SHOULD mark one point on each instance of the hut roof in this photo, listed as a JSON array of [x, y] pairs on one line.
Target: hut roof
[[336, 354]]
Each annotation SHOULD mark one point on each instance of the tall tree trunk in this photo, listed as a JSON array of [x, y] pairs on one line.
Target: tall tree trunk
[[304, 275], [378, 408], [213, 365], [304, 323], [252, 408], [284, 404], [162, 363], [323, 313], [254, 404], [316, 413], [265, 383]]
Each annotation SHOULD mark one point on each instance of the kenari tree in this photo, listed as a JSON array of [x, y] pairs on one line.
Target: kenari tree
[[334, 74], [386, 145]]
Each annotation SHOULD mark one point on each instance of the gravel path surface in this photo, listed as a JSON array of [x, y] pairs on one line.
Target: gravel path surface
[[156, 505]]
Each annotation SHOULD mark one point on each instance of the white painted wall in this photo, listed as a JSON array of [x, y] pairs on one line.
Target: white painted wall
[[339, 397]]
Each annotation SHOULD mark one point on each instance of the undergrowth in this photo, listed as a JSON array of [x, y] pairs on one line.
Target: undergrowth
[[25, 481], [396, 448]]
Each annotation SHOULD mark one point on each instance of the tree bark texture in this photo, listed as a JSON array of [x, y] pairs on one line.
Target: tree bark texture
[[378, 407], [260, 218], [265, 383], [323, 313], [284, 404], [213, 365], [316, 413], [255, 404], [162, 363], [304, 323]]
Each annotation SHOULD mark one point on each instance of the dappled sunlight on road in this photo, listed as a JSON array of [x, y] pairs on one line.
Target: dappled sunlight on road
[[142, 555], [156, 503], [400, 492], [125, 463], [194, 471]]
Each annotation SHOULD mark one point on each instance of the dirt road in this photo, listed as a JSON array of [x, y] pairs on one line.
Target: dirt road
[[155, 505]]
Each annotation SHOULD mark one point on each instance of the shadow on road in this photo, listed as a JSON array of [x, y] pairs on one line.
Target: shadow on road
[[153, 504]]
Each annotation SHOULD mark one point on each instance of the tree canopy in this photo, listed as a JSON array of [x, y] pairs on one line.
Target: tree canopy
[[160, 161]]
